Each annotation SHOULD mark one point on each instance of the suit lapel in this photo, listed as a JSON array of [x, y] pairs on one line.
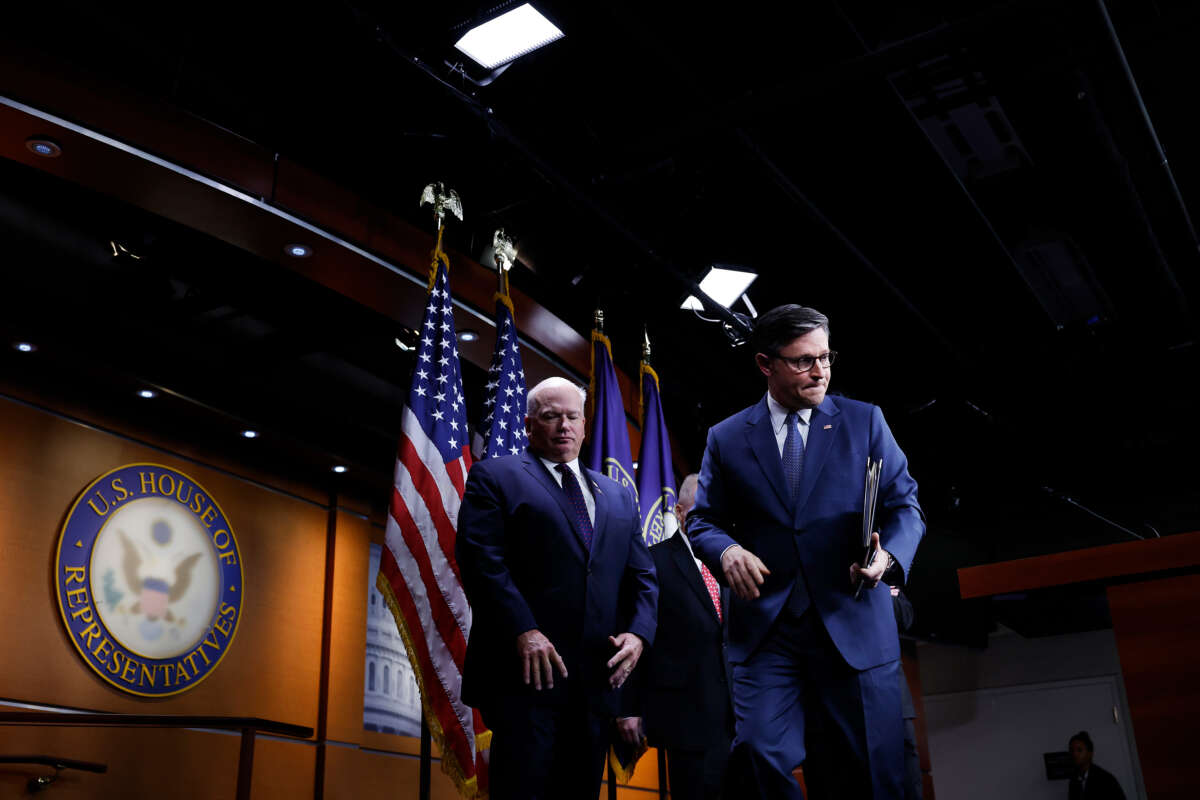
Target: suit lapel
[[691, 574], [761, 436], [537, 469], [822, 428]]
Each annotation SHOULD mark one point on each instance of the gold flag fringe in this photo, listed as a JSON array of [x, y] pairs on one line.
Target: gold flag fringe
[[467, 787]]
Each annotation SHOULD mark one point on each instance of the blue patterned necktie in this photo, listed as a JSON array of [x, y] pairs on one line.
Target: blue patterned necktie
[[793, 455], [793, 468], [571, 486]]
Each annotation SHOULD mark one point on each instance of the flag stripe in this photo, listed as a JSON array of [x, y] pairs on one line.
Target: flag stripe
[[450, 632], [457, 738], [417, 482], [455, 472]]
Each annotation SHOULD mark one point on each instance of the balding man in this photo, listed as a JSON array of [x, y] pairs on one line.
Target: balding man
[[564, 598], [680, 692]]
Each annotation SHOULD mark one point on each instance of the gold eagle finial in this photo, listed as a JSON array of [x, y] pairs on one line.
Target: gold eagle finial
[[442, 200]]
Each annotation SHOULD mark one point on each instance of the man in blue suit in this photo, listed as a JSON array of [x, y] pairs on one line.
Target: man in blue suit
[[563, 596], [779, 517]]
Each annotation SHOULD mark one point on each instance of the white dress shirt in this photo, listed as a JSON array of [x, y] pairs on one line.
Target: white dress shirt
[[584, 483], [688, 544], [779, 422]]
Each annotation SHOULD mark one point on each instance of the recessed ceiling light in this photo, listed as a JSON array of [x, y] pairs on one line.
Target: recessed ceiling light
[[25, 347], [147, 394], [298, 250], [46, 148], [250, 434], [723, 285], [468, 336], [508, 36], [339, 469]]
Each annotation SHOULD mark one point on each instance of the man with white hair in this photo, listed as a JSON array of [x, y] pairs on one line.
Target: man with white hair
[[564, 598]]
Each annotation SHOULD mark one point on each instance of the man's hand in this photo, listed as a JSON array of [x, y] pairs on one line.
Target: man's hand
[[744, 571], [873, 573], [630, 729], [538, 657], [629, 650]]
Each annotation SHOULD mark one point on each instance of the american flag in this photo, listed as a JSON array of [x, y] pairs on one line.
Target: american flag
[[505, 420], [418, 574]]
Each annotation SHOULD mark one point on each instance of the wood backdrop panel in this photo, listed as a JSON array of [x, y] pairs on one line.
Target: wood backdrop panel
[[283, 769], [179, 764], [272, 667], [348, 640], [1157, 625], [351, 774]]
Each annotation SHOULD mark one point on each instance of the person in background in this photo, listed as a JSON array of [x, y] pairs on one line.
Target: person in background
[[1090, 782], [679, 694]]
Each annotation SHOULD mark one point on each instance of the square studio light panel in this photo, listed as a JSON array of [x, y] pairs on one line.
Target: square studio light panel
[[508, 37], [723, 285]]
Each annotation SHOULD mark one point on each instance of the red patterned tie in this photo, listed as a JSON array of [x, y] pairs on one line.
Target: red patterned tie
[[714, 591]]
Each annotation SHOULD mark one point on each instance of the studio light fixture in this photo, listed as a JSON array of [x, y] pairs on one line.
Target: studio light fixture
[[298, 250], [41, 146], [508, 37], [339, 469], [250, 434], [467, 336], [147, 394], [402, 345], [723, 285], [24, 347]]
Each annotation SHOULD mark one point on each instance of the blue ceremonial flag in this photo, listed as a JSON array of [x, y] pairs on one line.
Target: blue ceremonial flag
[[608, 448], [505, 421], [655, 476]]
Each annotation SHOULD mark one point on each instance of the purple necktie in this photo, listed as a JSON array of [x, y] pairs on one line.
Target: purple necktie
[[571, 486]]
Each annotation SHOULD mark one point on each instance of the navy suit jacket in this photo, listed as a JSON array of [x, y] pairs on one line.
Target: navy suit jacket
[[524, 566], [743, 499]]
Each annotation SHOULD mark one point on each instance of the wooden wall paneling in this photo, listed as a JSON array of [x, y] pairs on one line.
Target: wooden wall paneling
[[271, 669], [347, 652], [353, 773], [283, 769], [180, 764], [1157, 626]]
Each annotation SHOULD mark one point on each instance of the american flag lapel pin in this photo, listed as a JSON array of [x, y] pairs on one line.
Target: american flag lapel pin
[[827, 427]]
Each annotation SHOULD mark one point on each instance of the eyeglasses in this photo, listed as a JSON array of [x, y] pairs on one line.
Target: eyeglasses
[[805, 363]]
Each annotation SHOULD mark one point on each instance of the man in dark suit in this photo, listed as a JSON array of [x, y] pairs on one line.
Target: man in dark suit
[[551, 554], [1090, 782], [680, 690], [778, 516]]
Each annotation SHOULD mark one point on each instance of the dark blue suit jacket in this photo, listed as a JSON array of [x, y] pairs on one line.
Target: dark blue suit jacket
[[743, 499], [524, 566]]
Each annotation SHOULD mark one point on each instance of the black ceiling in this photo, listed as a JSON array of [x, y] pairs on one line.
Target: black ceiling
[[972, 194]]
